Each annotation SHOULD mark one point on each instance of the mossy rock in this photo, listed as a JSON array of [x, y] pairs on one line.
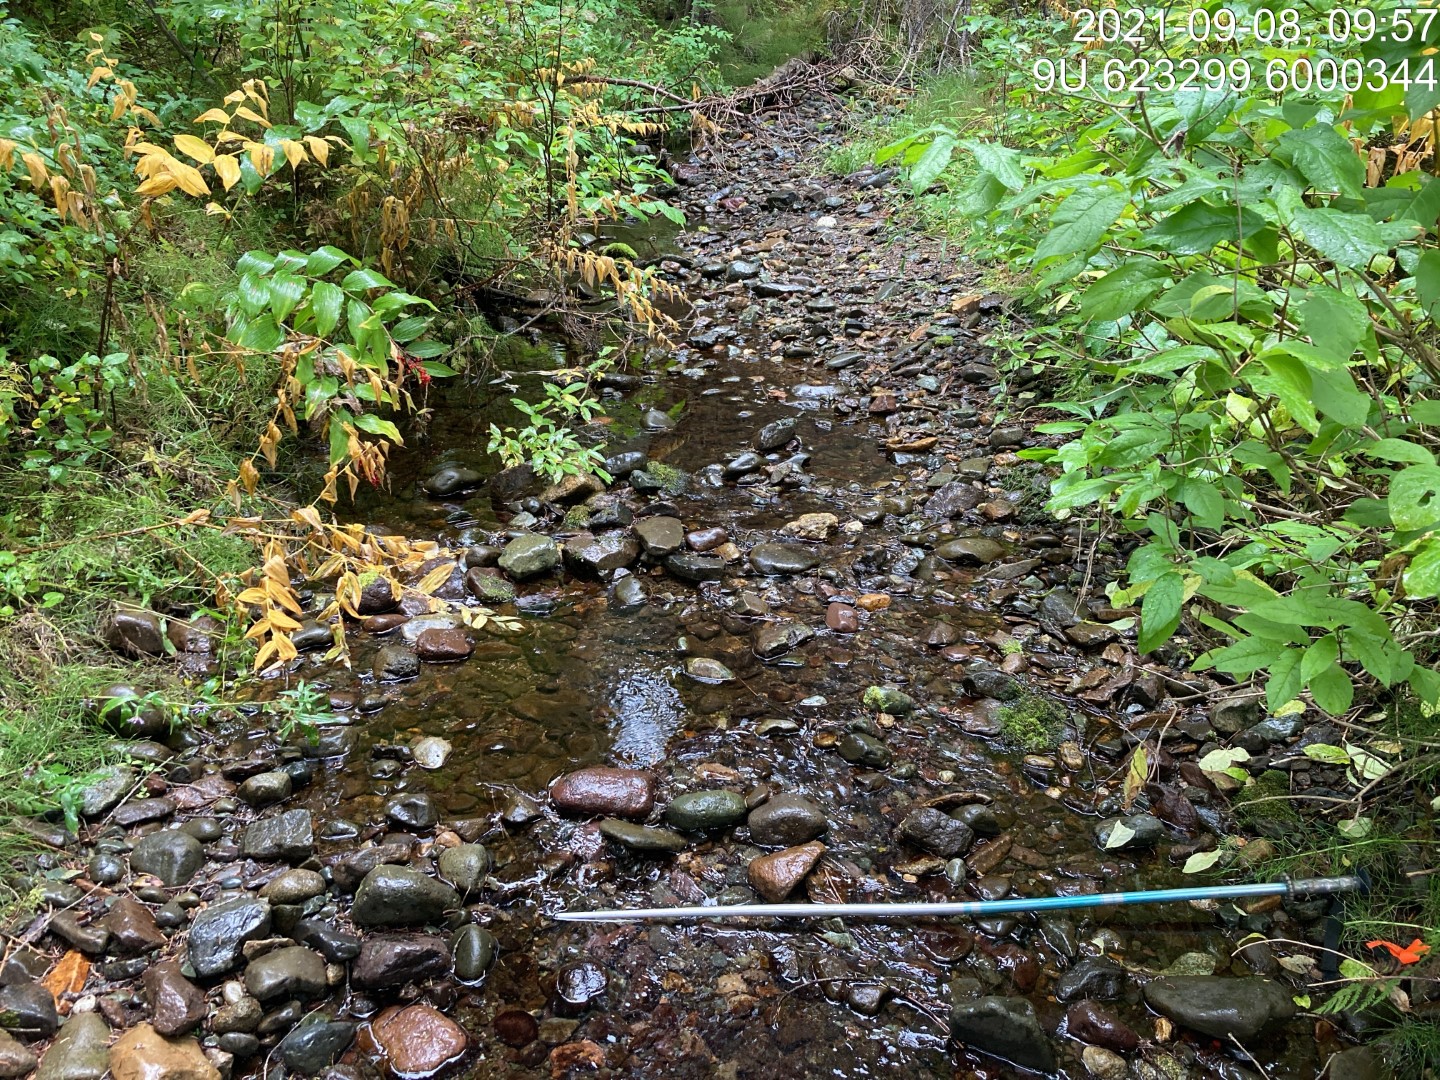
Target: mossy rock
[[618, 250], [1032, 723]]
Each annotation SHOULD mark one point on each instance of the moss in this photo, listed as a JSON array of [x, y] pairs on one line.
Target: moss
[[618, 250], [577, 517], [1032, 723], [672, 480]]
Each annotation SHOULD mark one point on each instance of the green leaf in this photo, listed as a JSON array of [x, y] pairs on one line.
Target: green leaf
[[1320, 656], [1287, 379], [1168, 360], [423, 349], [326, 301], [1414, 498], [1349, 240], [1327, 754], [376, 426], [1080, 222], [324, 259], [1124, 290], [1401, 450], [1284, 682], [1223, 758], [262, 335], [1427, 280], [999, 161], [286, 291], [409, 329], [1336, 322], [365, 278], [1247, 656], [1205, 503], [255, 262], [1326, 159], [253, 293], [1198, 227], [1160, 611], [1332, 690], [1422, 576], [932, 162], [437, 370], [1201, 860]]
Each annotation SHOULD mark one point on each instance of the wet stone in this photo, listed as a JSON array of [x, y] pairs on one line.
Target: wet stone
[[600, 556], [293, 972], [105, 868], [579, 986], [779, 559], [395, 663], [132, 927], [472, 951], [334, 944], [931, 830], [1005, 1027], [692, 566], [220, 930], [443, 646], [529, 556], [392, 960], [660, 536], [774, 435], [452, 479], [859, 748], [785, 821], [312, 635], [264, 788], [289, 836], [105, 792], [887, 699], [489, 587], [28, 1011], [315, 1044], [142, 1053], [465, 867], [177, 1005], [399, 896], [171, 855], [418, 1040], [293, 887], [1104, 1064], [971, 551], [624, 793], [775, 639], [90, 939], [1218, 1006], [627, 593], [1095, 979], [775, 876], [79, 1052], [412, 810], [1145, 832], [135, 632], [17, 1060], [1091, 1022], [698, 811], [141, 811], [642, 838], [842, 618], [706, 539]]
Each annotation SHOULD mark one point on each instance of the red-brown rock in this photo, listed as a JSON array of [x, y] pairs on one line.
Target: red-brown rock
[[775, 876], [626, 793], [842, 618], [418, 1040], [441, 645]]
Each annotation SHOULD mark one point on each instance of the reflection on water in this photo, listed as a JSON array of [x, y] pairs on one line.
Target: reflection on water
[[644, 711]]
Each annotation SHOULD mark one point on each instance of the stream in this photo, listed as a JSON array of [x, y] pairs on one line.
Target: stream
[[850, 681]]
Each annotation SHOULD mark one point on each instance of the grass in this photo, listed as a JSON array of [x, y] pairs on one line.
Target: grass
[[945, 99], [764, 34], [1032, 723]]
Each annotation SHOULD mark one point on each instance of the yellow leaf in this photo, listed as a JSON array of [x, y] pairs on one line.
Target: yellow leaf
[[117, 110], [246, 113], [251, 595], [294, 152], [195, 148], [219, 116], [282, 621], [259, 630], [262, 157], [7, 155], [307, 515], [249, 476], [434, 579], [157, 185], [39, 175], [319, 149], [227, 168], [213, 208], [269, 649], [189, 179], [234, 97]]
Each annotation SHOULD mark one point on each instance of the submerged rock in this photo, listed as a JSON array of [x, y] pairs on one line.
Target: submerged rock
[[418, 1040], [623, 793], [642, 838], [142, 1053], [785, 821], [697, 811], [1006, 1027], [528, 556], [1218, 1006], [777, 559], [399, 896]]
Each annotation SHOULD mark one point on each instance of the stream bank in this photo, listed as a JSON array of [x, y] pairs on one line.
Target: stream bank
[[816, 642]]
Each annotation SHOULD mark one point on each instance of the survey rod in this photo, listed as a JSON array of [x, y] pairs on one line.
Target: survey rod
[[976, 908]]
